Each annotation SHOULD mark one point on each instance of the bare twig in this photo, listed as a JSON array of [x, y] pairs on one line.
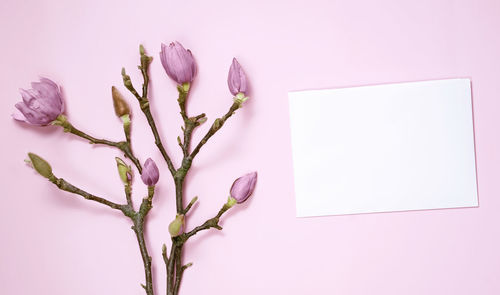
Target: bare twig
[[137, 218], [144, 103], [215, 127], [123, 146], [66, 186]]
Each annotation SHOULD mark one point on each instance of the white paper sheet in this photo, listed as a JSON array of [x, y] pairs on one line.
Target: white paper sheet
[[395, 147]]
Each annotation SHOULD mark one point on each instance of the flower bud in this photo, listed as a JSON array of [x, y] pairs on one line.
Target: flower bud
[[41, 105], [41, 166], [217, 124], [242, 188], [178, 63], [176, 227], [237, 80], [150, 173], [124, 171], [119, 103], [126, 80]]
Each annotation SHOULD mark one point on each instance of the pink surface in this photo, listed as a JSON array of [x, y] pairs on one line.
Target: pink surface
[[56, 243]]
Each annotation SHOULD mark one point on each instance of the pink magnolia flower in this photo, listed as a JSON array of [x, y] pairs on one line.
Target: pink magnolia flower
[[41, 105], [178, 62], [150, 173], [243, 187], [236, 79]]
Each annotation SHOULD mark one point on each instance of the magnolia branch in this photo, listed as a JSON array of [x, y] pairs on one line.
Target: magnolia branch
[[175, 270], [180, 66], [144, 103], [210, 223], [174, 267], [123, 146], [66, 186], [215, 127], [137, 218]]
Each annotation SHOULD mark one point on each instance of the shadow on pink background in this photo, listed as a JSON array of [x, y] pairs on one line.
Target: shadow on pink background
[[56, 243]]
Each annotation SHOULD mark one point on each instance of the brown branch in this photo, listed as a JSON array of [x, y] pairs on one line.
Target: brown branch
[[147, 112], [144, 103], [170, 264], [138, 229], [210, 223], [123, 146], [174, 266], [188, 207], [175, 270], [128, 195], [178, 270], [190, 123], [66, 186], [137, 217], [215, 127]]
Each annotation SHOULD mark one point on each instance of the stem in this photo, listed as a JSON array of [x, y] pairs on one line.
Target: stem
[[145, 62], [179, 184], [210, 223], [126, 127], [138, 228], [215, 127], [171, 268], [128, 195], [146, 259], [178, 269], [175, 269], [188, 207], [182, 101], [123, 146], [190, 123], [137, 217], [144, 103], [66, 186], [147, 112]]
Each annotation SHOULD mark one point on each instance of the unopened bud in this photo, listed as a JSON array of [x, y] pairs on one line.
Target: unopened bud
[[126, 79], [176, 227], [217, 124], [119, 103], [150, 173], [236, 79], [124, 171], [243, 187], [40, 165]]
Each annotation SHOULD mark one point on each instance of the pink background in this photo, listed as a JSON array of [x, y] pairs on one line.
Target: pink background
[[57, 243]]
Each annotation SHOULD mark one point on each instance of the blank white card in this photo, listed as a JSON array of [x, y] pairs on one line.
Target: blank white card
[[395, 147]]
